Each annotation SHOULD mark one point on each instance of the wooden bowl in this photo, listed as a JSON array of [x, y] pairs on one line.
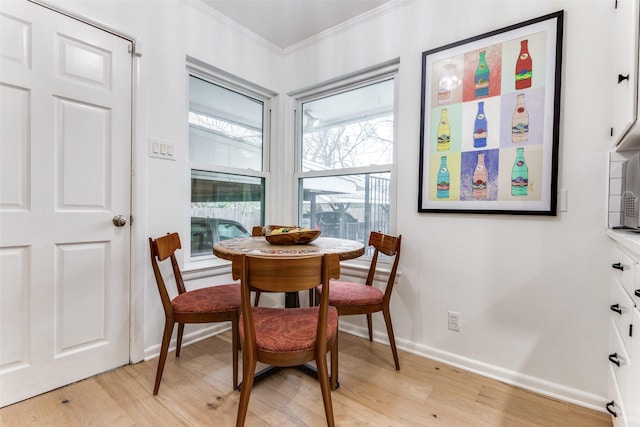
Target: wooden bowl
[[290, 238]]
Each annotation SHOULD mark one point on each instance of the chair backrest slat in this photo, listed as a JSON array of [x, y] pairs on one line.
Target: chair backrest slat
[[387, 245], [384, 243], [285, 274], [164, 248], [167, 245]]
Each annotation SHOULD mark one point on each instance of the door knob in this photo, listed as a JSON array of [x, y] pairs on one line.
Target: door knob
[[119, 220]]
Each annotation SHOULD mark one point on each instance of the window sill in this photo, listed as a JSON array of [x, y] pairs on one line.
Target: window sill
[[208, 267], [213, 266]]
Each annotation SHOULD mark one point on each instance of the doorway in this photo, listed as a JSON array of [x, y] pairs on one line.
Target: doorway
[[65, 200]]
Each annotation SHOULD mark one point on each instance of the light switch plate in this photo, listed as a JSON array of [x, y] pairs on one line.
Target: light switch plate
[[161, 149], [562, 200]]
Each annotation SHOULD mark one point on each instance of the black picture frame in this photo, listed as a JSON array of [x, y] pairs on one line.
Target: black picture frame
[[489, 125]]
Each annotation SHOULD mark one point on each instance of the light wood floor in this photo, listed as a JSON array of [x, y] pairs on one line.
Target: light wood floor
[[196, 391]]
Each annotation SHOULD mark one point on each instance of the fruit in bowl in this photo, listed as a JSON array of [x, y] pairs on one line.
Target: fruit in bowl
[[290, 235], [289, 230]]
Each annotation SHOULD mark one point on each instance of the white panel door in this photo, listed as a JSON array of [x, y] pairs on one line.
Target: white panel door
[[65, 171]]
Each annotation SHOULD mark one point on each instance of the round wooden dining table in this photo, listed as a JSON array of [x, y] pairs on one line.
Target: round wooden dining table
[[345, 248]]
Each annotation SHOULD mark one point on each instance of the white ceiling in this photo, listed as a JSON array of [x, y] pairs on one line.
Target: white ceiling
[[288, 22]]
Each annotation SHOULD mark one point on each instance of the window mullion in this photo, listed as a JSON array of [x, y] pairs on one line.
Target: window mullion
[[346, 171]]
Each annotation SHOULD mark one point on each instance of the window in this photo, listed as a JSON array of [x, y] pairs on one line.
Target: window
[[226, 158], [346, 146]]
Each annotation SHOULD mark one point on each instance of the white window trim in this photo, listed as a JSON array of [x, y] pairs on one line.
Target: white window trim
[[210, 265], [384, 71]]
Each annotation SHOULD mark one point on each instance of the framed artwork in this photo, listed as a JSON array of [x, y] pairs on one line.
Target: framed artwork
[[490, 121]]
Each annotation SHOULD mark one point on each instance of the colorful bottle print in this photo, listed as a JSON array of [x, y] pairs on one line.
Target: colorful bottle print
[[444, 180], [524, 66], [444, 132], [480, 133], [444, 85], [520, 121], [519, 175], [480, 179], [481, 78]]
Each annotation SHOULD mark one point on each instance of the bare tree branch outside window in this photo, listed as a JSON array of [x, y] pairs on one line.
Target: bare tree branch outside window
[[357, 144]]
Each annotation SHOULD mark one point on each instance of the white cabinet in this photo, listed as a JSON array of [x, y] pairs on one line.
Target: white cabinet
[[623, 352], [625, 126], [633, 392]]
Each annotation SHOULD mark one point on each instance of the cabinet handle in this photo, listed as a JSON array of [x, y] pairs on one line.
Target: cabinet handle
[[613, 358], [611, 411], [616, 308], [637, 292], [618, 266], [622, 78]]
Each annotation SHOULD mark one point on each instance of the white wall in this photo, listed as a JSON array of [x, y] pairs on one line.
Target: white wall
[[166, 32], [531, 291]]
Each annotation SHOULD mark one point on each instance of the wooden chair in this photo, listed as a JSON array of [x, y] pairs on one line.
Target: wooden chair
[[287, 337], [258, 231], [356, 298], [207, 305]]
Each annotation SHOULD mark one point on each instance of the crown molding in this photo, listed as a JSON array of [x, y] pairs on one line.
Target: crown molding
[[316, 38], [206, 10], [346, 25]]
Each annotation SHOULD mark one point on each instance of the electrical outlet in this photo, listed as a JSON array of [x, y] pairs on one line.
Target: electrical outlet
[[454, 321]]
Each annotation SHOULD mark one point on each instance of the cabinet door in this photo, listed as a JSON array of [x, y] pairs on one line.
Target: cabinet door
[[632, 397], [625, 63], [621, 308], [615, 405], [625, 267], [620, 363]]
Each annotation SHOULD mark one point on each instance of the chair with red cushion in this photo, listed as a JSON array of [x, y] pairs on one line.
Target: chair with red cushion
[[206, 305], [258, 231], [357, 298], [286, 337]]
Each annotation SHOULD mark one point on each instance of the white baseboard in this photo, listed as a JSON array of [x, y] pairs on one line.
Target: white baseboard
[[187, 339], [527, 382]]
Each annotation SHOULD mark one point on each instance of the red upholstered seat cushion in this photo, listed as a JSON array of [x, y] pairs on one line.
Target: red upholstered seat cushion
[[207, 300], [288, 329], [350, 294]]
